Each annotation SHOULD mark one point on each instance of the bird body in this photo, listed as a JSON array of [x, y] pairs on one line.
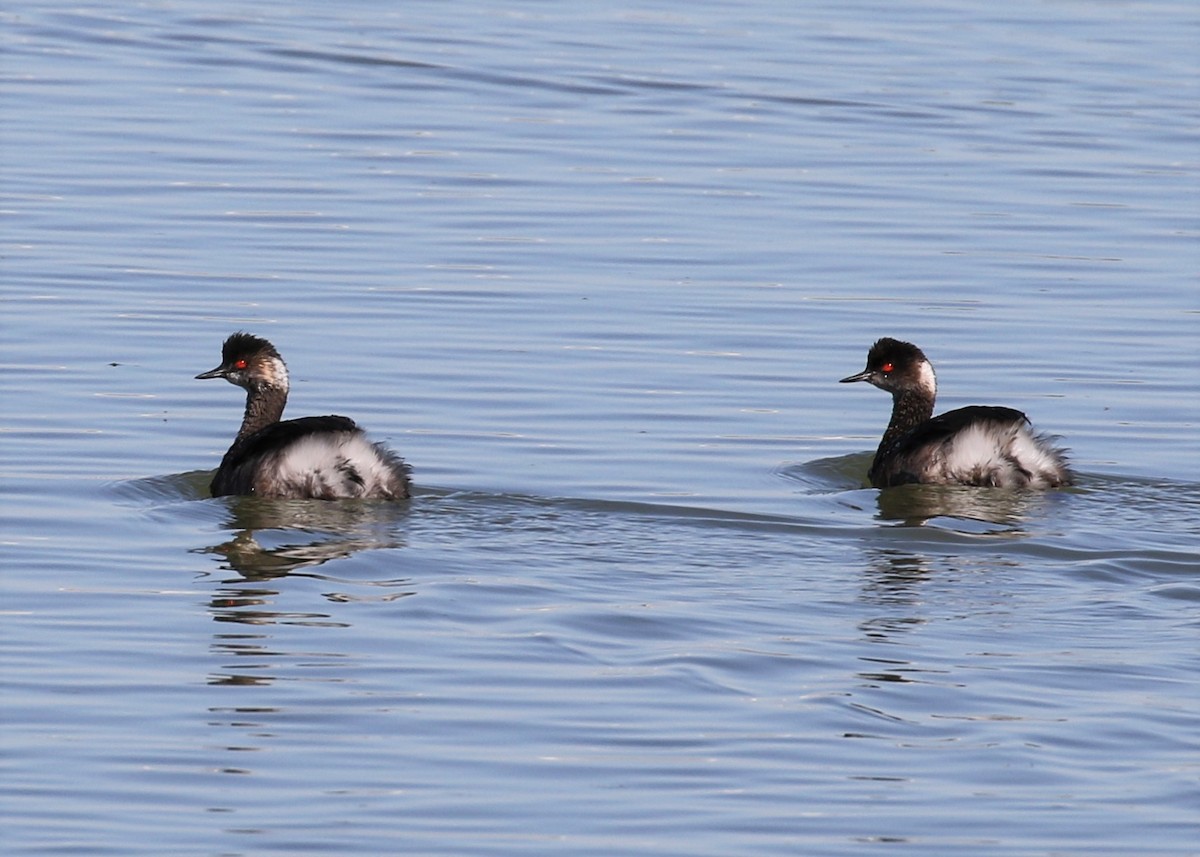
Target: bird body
[[978, 445], [325, 458]]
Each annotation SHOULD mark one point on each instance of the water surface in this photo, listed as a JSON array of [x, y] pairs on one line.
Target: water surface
[[595, 273]]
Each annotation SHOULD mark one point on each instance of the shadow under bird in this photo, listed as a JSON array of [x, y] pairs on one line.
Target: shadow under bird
[[323, 458], [983, 445]]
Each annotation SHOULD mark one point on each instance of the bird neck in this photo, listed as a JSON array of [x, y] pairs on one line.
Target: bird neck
[[910, 408], [264, 406]]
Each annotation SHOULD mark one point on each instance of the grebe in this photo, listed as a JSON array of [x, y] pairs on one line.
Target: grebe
[[323, 458], [976, 445]]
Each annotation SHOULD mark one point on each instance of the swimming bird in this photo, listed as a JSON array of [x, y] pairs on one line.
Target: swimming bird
[[978, 445], [324, 458]]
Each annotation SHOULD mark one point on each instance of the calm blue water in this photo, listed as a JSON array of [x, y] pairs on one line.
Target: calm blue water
[[595, 273]]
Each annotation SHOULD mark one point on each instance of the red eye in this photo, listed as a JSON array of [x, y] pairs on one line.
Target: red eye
[[240, 363], [886, 368]]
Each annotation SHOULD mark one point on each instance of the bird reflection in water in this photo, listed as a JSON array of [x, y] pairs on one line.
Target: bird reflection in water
[[310, 533], [274, 539], [996, 511]]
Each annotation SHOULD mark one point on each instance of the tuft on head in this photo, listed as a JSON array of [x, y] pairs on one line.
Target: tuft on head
[[897, 352], [242, 344]]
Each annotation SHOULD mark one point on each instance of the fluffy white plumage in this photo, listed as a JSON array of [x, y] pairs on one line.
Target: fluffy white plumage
[[1000, 455], [329, 465]]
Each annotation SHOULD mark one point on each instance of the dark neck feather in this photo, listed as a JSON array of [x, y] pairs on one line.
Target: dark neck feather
[[264, 406], [910, 409]]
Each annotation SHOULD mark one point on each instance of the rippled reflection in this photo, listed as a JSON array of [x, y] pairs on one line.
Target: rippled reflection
[[1003, 511], [277, 537]]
